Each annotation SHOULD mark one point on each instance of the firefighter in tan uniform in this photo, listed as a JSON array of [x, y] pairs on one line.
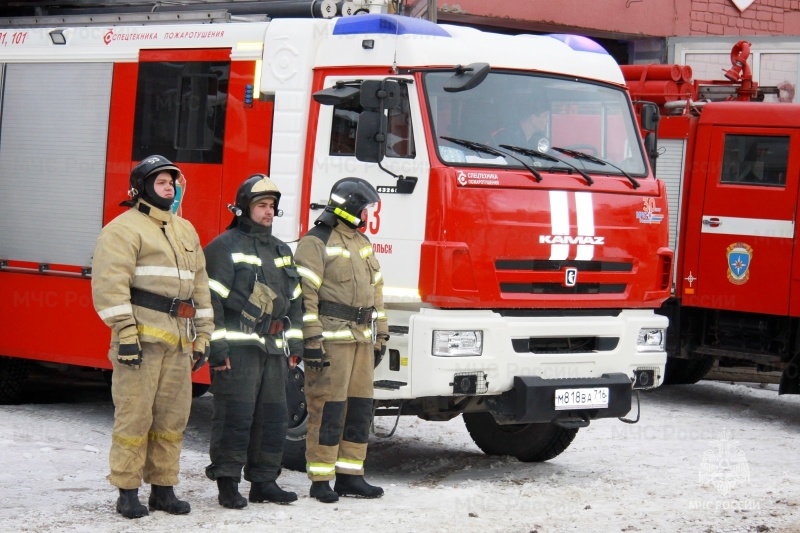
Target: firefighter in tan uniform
[[149, 285], [345, 331]]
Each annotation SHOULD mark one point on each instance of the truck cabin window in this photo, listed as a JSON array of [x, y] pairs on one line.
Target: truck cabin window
[[536, 112], [399, 134], [755, 160], [180, 110]]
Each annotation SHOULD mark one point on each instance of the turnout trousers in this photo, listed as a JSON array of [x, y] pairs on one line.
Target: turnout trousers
[[249, 418], [339, 411], [151, 409]]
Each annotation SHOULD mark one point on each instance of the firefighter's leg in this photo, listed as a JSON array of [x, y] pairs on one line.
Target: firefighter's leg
[[326, 395], [268, 432], [234, 400], [268, 435], [133, 391], [173, 401], [353, 448]]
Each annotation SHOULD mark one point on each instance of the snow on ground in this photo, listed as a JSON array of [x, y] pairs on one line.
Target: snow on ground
[[712, 457]]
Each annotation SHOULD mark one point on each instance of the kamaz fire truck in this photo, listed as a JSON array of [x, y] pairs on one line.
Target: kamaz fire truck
[[521, 282], [732, 164]]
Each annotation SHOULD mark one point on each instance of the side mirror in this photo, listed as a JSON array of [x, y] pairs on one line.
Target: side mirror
[[336, 95], [375, 91], [467, 78], [651, 116], [371, 136]]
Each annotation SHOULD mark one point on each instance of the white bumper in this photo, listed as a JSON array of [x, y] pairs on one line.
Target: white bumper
[[427, 375]]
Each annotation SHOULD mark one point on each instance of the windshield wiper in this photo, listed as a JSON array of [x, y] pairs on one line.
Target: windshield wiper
[[485, 148], [598, 161], [548, 157]]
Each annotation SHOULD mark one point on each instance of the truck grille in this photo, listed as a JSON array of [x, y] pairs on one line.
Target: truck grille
[[539, 274], [545, 265], [557, 288], [543, 345]]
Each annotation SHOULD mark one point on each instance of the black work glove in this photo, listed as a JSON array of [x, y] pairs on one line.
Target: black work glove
[[379, 353], [130, 351], [200, 358], [313, 359], [380, 347], [200, 351], [219, 352]]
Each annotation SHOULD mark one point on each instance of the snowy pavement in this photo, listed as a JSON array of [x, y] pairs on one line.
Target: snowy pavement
[[711, 457]]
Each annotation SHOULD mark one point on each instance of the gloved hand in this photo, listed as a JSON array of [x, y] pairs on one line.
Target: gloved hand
[[292, 360], [258, 305], [129, 351], [313, 359], [220, 352], [380, 347], [200, 352]]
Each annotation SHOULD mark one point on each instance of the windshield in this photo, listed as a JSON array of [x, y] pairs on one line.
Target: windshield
[[538, 113]]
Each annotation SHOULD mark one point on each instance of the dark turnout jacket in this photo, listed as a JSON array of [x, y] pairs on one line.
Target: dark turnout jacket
[[235, 260]]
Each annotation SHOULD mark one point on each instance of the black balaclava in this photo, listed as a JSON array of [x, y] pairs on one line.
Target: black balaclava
[[149, 194]]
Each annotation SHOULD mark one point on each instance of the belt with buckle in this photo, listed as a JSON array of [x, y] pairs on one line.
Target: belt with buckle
[[359, 315], [164, 304]]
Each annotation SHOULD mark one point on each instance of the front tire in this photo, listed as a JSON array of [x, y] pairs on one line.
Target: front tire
[[294, 448], [686, 371], [527, 442], [198, 389], [13, 374]]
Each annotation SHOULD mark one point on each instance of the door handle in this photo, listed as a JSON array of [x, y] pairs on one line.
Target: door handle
[[713, 222]]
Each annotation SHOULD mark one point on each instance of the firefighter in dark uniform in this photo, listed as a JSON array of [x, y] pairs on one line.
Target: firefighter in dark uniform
[[149, 285], [345, 331], [257, 300]]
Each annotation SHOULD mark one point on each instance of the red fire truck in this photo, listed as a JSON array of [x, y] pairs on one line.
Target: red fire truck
[[732, 165], [521, 282]]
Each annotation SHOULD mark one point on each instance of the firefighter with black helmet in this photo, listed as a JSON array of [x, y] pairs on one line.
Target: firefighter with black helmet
[[345, 333], [149, 285], [257, 301]]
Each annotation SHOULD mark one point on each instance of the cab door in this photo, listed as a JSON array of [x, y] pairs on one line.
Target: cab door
[[748, 221], [396, 225]]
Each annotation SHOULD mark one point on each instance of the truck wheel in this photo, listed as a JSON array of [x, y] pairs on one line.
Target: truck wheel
[[294, 449], [13, 373], [198, 389], [686, 371], [527, 442]]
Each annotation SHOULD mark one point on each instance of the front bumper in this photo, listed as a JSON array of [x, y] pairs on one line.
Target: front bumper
[[533, 400]]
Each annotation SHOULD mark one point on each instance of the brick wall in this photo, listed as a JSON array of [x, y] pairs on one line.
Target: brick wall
[[762, 17]]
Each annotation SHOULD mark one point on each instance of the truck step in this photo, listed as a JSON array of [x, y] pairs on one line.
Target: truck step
[[387, 384], [756, 357]]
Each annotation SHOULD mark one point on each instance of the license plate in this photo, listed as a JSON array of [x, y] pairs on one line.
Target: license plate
[[596, 398]]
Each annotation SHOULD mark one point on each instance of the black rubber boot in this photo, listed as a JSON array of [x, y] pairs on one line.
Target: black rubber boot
[[163, 499], [128, 504], [269, 491], [349, 485], [321, 490], [229, 493]]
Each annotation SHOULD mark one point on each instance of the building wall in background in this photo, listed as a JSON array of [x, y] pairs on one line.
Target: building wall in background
[[629, 19]]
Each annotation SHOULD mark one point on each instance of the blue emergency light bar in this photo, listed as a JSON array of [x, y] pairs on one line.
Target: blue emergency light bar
[[389, 24], [579, 43]]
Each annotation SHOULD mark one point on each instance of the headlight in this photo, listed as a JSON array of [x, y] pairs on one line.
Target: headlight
[[455, 343], [651, 340]]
